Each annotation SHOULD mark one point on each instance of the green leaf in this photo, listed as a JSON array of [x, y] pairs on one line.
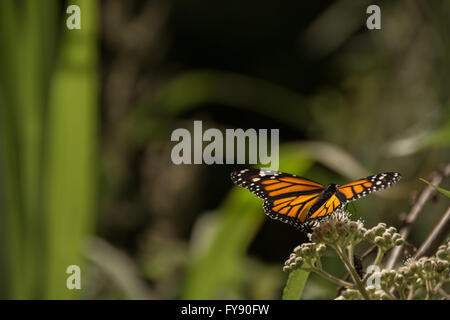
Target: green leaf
[[70, 160], [295, 284], [441, 190]]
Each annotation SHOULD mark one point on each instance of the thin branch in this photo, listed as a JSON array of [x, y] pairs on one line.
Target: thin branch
[[368, 252], [436, 237], [413, 214]]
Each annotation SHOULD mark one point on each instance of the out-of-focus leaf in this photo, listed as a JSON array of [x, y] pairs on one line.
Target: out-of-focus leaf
[[193, 89], [213, 272], [335, 158], [344, 11], [70, 179], [439, 137], [119, 267], [27, 40]]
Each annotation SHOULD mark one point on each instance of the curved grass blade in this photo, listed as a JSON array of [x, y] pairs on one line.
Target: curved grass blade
[[441, 190]]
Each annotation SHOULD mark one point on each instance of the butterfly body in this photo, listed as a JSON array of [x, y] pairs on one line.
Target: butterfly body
[[327, 193], [300, 201], [330, 190]]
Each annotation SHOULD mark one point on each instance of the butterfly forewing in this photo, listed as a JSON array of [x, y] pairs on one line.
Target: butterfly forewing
[[363, 187], [286, 197]]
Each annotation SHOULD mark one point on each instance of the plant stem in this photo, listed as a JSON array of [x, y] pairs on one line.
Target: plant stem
[[401, 292], [359, 285], [332, 278], [429, 289], [411, 293], [390, 295], [350, 254], [437, 287], [379, 257], [363, 256]]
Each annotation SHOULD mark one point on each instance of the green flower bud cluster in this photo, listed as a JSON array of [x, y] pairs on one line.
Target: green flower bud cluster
[[383, 237], [387, 276], [416, 272], [306, 254], [342, 234], [413, 275]]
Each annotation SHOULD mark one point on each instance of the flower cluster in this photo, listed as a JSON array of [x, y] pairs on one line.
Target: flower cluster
[[338, 230], [341, 232], [416, 278], [426, 274]]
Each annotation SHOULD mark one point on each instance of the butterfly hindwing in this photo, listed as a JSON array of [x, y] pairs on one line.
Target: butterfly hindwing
[[293, 210], [330, 205]]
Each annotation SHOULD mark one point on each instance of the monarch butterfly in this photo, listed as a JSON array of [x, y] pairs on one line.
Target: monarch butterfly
[[302, 202]]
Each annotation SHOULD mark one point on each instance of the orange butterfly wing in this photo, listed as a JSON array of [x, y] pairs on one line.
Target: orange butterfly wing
[[363, 187], [328, 207], [287, 198], [296, 200], [352, 191]]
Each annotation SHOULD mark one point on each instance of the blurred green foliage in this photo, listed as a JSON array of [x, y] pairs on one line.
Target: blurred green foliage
[[48, 105]]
